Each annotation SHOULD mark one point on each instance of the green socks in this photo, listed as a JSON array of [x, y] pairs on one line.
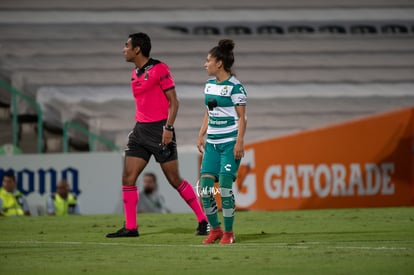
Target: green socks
[[227, 201], [209, 202]]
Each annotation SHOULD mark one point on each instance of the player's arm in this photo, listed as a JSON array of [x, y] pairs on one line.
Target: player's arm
[[240, 101], [167, 135], [202, 132], [239, 147]]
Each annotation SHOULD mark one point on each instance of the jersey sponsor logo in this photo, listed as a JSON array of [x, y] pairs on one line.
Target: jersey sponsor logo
[[213, 113], [241, 99], [207, 90], [217, 122]]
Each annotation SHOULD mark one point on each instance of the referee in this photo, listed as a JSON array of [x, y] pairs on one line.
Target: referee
[[156, 101]]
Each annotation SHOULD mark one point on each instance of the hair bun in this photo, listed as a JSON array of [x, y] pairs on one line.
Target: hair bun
[[226, 44]]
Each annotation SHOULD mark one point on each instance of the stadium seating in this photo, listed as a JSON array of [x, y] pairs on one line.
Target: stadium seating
[[300, 73]]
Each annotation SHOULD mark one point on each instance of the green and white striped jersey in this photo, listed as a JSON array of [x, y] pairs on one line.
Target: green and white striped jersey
[[221, 99]]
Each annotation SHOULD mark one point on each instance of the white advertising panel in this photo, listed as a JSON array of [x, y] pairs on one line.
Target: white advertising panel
[[94, 177]]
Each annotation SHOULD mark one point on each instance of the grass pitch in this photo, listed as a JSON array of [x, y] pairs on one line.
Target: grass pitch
[[340, 241]]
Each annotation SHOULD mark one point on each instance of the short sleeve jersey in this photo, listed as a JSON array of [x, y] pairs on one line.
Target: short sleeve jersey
[[149, 85], [221, 99]]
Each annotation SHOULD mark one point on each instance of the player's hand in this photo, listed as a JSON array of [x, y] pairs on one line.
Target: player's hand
[[200, 144], [238, 150]]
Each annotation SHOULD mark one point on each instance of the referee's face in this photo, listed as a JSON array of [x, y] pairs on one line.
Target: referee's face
[[129, 52]]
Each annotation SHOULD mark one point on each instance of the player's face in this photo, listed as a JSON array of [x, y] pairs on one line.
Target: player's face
[[129, 52], [212, 65]]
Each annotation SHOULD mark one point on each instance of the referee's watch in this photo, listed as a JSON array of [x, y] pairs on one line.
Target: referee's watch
[[169, 128]]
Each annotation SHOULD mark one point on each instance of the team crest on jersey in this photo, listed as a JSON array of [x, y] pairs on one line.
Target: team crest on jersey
[[225, 90]]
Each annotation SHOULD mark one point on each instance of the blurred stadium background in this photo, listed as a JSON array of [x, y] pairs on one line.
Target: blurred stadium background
[[305, 64]]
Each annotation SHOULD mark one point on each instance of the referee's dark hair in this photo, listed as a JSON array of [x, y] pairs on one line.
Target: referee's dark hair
[[142, 41]]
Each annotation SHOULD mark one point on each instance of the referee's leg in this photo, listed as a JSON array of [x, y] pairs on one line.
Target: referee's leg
[[186, 191]]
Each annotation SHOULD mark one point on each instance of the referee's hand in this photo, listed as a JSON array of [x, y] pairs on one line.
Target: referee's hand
[[167, 137]]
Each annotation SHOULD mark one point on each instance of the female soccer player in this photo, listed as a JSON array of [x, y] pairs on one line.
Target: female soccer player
[[225, 125]]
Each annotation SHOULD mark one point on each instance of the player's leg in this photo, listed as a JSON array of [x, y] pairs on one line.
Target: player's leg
[[208, 199], [228, 207], [210, 167], [228, 172], [186, 191], [210, 207]]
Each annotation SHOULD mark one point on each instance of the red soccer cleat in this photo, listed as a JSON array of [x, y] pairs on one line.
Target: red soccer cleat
[[215, 234], [228, 238]]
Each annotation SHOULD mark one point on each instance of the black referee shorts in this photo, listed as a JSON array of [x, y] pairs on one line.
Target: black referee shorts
[[145, 140]]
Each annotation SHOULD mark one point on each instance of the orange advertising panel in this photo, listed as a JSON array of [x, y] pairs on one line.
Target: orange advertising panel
[[367, 162]]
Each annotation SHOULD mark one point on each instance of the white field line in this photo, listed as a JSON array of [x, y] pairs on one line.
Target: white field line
[[305, 245]]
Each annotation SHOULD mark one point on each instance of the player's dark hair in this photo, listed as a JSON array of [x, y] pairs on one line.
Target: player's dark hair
[[142, 41], [224, 52]]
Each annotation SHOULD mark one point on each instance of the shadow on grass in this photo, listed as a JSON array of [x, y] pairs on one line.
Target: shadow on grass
[[335, 233], [240, 237], [300, 235], [255, 236], [175, 230]]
